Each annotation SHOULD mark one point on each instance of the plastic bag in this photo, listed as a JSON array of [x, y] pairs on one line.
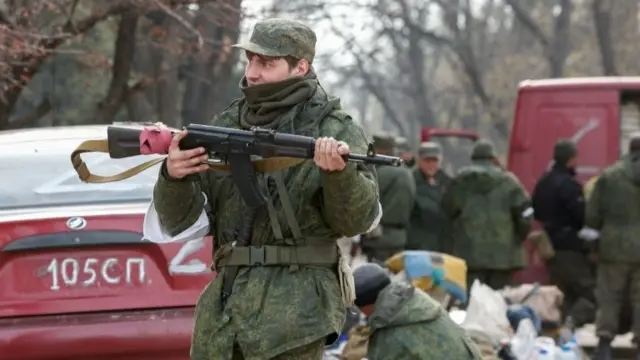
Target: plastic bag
[[523, 344], [546, 348], [486, 314]]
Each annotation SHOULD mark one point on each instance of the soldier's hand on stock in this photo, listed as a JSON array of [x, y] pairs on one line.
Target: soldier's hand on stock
[[329, 152], [181, 163]]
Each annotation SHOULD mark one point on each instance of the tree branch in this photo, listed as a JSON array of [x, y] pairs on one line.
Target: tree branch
[[183, 22], [601, 10], [368, 80], [123, 56], [30, 119], [523, 16]]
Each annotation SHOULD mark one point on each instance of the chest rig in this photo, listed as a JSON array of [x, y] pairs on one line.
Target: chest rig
[[293, 252]]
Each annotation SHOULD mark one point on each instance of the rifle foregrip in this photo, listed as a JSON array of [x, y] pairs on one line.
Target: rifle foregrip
[[296, 141], [123, 141]]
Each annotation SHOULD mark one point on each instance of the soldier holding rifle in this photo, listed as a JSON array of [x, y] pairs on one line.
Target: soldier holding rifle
[[282, 290]]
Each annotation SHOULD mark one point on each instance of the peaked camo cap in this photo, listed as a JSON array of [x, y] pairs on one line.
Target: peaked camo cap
[[429, 149], [281, 37]]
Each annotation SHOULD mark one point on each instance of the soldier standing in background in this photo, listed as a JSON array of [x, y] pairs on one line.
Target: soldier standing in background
[[613, 214], [558, 202], [404, 151], [285, 296], [490, 218], [397, 195], [428, 223]]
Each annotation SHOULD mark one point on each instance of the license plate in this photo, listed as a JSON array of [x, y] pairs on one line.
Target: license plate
[[64, 273]]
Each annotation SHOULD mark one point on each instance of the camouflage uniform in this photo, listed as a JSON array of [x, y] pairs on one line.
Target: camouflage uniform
[[397, 195], [288, 309], [613, 210], [491, 217], [429, 226], [406, 323]]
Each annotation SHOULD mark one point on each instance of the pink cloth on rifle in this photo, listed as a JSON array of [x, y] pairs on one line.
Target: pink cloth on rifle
[[155, 140]]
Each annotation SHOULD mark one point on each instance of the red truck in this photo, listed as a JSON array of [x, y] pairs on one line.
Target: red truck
[[77, 279], [598, 113]]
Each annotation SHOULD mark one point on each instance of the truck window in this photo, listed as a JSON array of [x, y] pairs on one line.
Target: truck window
[[629, 118]]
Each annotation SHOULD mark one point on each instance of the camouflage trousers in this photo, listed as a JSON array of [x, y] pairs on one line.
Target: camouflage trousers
[[573, 274], [312, 351], [618, 295]]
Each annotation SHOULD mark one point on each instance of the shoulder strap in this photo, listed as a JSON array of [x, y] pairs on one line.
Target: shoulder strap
[[102, 146]]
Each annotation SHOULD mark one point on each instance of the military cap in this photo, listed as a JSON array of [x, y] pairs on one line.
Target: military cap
[[402, 144], [634, 143], [383, 141], [429, 149], [369, 280], [483, 150], [281, 37], [564, 150]]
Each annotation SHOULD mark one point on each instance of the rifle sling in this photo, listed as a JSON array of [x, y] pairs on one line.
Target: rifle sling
[[102, 146], [285, 201], [271, 255]]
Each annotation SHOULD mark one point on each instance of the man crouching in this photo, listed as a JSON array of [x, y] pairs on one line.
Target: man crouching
[[406, 323]]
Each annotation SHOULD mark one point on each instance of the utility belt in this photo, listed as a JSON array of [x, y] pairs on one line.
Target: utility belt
[[325, 255]]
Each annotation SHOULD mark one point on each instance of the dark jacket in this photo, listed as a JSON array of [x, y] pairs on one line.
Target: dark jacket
[[558, 202], [428, 223]]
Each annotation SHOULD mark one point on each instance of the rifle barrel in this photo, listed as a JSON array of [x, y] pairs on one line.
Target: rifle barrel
[[375, 160]]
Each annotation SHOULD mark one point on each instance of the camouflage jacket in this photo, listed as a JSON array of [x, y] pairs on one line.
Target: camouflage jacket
[[397, 194], [274, 309], [428, 223], [408, 324], [490, 217], [614, 210]]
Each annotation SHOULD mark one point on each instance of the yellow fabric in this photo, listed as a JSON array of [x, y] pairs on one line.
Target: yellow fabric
[[455, 269]]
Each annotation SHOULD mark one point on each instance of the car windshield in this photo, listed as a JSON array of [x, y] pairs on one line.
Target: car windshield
[[39, 173], [456, 152]]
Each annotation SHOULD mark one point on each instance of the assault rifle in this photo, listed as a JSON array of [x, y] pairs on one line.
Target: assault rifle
[[228, 149]]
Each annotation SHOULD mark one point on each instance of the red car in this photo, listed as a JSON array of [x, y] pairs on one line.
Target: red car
[[77, 279]]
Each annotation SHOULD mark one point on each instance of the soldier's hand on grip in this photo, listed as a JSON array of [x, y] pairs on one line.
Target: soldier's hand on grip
[[181, 163]]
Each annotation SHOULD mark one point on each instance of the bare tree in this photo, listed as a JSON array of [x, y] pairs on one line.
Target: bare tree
[[145, 69]]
